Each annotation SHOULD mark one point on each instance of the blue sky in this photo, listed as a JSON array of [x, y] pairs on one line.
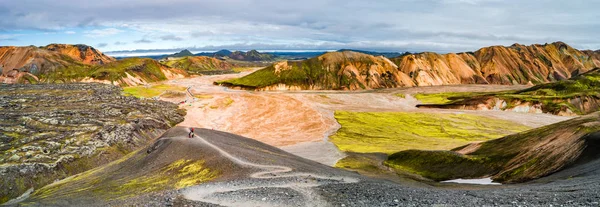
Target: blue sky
[[384, 25]]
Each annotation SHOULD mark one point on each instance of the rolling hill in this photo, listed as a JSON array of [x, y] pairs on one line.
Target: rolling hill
[[517, 64]]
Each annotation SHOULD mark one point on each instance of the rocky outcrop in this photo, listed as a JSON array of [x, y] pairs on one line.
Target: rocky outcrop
[[49, 132], [346, 70]]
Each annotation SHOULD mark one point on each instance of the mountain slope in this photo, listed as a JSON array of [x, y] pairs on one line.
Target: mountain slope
[[577, 96], [200, 64], [515, 158], [235, 165], [58, 63], [51, 131], [517, 64], [334, 70], [182, 53]]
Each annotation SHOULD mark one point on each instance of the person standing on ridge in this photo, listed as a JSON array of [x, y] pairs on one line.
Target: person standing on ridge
[[191, 134]]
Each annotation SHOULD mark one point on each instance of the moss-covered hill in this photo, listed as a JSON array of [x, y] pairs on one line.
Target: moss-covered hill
[[514, 158], [334, 70], [52, 131], [200, 65], [578, 95]]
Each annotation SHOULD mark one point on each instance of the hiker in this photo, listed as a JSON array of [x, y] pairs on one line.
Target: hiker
[[191, 134]]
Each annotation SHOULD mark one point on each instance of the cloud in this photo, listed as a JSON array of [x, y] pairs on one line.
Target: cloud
[[102, 32], [444, 25], [120, 43], [171, 37], [143, 40], [70, 32], [102, 44]]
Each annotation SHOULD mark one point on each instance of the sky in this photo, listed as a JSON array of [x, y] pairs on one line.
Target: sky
[[382, 25]]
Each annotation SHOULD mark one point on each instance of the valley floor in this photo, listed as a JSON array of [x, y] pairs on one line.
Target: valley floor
[[301, 122]]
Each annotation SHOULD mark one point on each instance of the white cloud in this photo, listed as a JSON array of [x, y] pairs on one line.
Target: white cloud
[[102, 32], [70, 32]]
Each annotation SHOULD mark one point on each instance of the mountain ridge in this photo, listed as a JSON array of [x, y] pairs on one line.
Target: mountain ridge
[[516, 64]]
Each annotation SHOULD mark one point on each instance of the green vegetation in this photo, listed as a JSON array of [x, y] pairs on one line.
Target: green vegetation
[[401, 95], [151, 91], [72, 71], [390, 132], [322, 72], [147, 69], [444, 98], [554, 97], [515, 158], [439, 165], [200, 65]]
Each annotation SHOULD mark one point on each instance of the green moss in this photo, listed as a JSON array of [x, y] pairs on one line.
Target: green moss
[[390, 132], [440, 165], [401, 95], [449, 97], [151, 91]]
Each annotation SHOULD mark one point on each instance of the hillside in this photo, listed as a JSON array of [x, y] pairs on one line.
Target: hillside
[[577, 96], [517, 64], [200, 65], [334, 70], [52, 131], [58, 63], [183, 53], [515, 158]]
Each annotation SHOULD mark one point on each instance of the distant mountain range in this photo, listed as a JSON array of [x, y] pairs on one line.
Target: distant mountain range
[[256, 56]]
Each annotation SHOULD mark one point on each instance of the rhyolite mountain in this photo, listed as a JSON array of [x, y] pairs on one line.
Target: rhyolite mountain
[[334, 70], [516, 64], [61, 63]]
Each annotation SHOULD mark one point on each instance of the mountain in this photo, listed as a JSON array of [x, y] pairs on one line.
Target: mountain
[[200, 64], [334, 70], [577, 96], [251, 55], [385, 54], [570, 145], [82, 53], [183, 53], [60, 63], [516, 64]]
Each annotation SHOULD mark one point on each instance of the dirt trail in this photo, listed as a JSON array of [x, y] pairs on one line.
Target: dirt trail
[[268, 176]]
